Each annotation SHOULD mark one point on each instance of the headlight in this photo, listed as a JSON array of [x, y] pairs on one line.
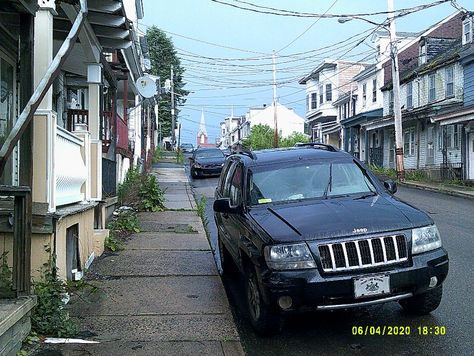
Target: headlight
[[197, 165], [284, 257], [425, 239]]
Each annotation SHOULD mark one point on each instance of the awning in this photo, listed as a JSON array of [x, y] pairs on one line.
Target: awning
[[362, 117], [332, 129], [379, 124]]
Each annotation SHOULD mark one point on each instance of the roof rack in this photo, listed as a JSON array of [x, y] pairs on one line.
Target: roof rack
[[319, 145], [245, 152]]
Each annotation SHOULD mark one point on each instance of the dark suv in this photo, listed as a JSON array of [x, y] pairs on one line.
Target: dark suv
[[312, 227]]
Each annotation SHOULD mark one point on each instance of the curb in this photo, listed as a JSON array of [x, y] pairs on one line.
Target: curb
[[438, 190]]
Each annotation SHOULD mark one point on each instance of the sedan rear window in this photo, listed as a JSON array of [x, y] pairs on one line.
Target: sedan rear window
[[308, 181], [209, 154]]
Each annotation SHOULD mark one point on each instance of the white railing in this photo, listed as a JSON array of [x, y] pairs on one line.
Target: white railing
[[71, 172]]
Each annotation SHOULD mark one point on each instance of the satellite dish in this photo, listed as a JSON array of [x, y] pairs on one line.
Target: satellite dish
[[146, 86]]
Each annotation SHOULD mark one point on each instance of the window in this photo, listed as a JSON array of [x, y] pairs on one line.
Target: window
[[422, 58], [321, 95], [314, 101], [449, 82], [328, 92], [409, 142], [235, 191], [307, 102], [432, 87], [374, 90], [410, 95], [467, 31], [364, 94]]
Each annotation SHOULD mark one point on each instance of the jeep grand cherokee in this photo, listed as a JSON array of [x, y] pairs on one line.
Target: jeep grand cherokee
[[312, 227]]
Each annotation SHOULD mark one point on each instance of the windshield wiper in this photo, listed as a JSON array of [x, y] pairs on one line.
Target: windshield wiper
[[371, 194], [328, 186]]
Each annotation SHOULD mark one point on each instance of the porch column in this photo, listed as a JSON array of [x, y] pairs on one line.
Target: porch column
[[94, 78], [44, 121]]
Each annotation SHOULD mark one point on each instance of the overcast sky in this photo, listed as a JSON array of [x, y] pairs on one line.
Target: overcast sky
[[227, 51]]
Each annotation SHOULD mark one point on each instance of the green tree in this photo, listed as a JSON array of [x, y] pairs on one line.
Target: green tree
[[261, 137], [294, 138], [163, 55]]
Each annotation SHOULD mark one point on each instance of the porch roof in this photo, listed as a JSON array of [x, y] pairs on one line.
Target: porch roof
[[362, 117], [106, 19]]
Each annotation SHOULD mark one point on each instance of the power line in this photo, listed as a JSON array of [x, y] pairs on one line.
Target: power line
[[314, 23], [283, 12]]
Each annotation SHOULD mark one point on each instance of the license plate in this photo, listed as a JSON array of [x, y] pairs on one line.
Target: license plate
[[369, 286]]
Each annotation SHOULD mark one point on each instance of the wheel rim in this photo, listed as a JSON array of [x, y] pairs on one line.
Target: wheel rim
[[253, 296]]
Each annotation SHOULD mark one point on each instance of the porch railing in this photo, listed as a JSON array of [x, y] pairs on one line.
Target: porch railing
[[71, 172], [122, 134], [77, 117]]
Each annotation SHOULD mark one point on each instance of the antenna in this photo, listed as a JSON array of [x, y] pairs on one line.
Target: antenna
[[146, 86]]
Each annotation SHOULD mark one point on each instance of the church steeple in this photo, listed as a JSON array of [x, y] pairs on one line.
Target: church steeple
[[201, 139]]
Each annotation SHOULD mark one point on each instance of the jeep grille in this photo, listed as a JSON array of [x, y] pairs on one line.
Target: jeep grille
[[364, 253]]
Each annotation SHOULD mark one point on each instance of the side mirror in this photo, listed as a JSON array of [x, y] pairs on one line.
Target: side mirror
[[223, 206], [390, 185]]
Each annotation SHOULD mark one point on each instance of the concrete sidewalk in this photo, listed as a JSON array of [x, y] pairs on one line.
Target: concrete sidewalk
[[453, 190], [161, 295]]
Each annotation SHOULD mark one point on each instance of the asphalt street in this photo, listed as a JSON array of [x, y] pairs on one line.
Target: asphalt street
[[331, 332]]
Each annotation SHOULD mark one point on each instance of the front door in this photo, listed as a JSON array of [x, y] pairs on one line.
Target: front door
[[430, 146], [471, 155], [391, 145]]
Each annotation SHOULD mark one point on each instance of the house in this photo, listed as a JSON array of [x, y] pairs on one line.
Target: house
[[230, 133], [366, 103], [431, 86], [287, 120], [324, 85], [65, 129]]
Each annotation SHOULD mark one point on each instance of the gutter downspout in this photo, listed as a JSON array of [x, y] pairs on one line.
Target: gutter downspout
[[53, 71]]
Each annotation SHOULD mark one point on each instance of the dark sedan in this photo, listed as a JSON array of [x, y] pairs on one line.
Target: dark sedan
[[206, 162]]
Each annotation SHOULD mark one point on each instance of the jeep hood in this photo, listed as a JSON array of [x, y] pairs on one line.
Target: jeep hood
[[298, 221]]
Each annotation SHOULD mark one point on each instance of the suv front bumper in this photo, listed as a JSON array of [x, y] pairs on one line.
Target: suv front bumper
[[310, 288]]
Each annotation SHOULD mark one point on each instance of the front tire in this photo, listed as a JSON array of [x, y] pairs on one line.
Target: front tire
[[264, 320], [424, 303]]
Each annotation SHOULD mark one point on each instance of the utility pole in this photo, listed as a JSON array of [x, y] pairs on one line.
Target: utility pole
[[179, 135], [173, 138], [275, 115], [397, 111]]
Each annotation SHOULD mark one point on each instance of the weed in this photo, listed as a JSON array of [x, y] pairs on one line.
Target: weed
[[5, 277], [201, 210], [112, 243], [152, 197], [126, 221], [179, 157], [383, 172], [50, 317], [157, 155], [416, 175], [127, 191]]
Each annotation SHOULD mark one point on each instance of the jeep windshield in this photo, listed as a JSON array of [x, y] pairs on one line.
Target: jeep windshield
[[308, 180]]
